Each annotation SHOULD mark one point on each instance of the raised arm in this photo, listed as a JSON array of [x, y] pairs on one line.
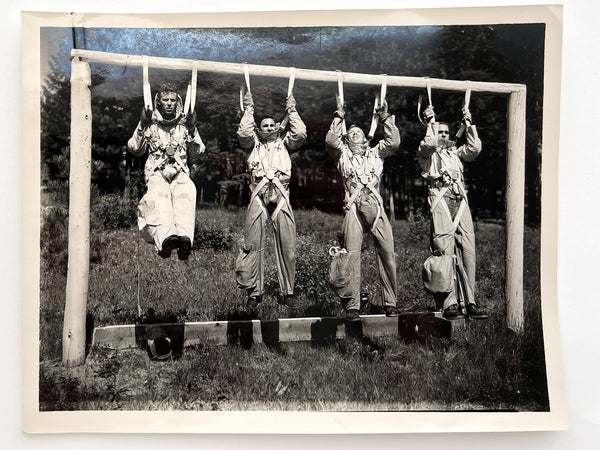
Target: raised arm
[[334, 137], [391, 135], [297, 135], [246, 130], [472, 148], [193, 139], [136, 142], [430, 142]]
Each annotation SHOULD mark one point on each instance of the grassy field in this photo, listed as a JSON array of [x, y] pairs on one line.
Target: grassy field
[[486, 367]]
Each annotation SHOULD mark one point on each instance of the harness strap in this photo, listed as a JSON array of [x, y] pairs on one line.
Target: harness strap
[[194, 85], [374, 120], [438, 198], [461, 130], [254, 196], [183, 166], [383, 86], [282, 201], [280, 204], [340, 80], [286, 119], [461, 208], [378, 103], [246, 75], [428, 87], [354, 197], [247, 78], [146, 84], [190, 96]]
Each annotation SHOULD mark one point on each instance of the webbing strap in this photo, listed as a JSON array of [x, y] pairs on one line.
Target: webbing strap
[[371, 187], [374, 120], [183, 166], [286, 119], [146, 84], [247, 78], [246, 75], [194, 83], [291, 81], [383, 86], [340, 80], [254, 196], [378, 103], [282, 201], [438, 198], [461, 130], [428, 87], [461, 208], [190, 95]]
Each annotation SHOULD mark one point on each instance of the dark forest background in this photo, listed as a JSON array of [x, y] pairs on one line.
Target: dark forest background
[[496, 53]]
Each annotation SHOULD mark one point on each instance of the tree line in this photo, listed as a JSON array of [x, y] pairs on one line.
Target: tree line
[[477, 53]]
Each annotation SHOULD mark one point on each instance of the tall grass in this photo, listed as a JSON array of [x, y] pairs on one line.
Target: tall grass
[[485, 367]]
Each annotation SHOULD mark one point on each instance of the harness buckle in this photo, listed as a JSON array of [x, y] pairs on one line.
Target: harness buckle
[[364, 179], [270, 174]]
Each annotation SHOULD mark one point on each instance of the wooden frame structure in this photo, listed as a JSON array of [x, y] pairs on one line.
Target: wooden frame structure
[[80, 170]]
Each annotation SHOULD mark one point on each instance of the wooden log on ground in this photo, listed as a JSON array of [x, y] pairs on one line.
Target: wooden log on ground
[[414, 326]]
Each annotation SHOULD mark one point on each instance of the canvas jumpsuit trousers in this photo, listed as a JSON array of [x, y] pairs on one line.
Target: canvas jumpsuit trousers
[[269, 200], [366, 214]]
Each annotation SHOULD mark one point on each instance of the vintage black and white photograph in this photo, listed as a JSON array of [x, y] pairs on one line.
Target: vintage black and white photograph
[[314, 216]]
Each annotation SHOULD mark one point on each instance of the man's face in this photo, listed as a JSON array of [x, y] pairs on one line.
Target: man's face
[[167, 102], [356, 135], [443, 133], [267, 125]]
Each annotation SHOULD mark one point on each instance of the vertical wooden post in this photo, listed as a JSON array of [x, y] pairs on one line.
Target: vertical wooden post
[[515, 209], [79, 215]]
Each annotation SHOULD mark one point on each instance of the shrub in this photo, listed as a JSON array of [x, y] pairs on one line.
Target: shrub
[[215, 238], [114, 211]]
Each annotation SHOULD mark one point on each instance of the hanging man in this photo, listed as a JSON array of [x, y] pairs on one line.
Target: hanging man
[[166, 213], [271, 169], [361, 167], [451, 223]]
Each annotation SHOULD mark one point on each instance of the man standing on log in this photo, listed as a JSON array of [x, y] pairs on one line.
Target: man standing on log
[[361, 167], [166, 213], [271, 169], [452, 233]]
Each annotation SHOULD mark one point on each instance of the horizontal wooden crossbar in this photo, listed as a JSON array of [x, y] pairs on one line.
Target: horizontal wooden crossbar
[[407, 326], [299, 74]]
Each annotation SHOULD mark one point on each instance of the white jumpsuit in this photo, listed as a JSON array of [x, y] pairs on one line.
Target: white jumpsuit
[[271, 169], [364, 207], [169, 205], [443, 169]]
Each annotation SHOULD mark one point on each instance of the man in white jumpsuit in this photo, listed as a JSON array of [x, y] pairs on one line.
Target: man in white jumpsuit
[[451, 223], [271, 169], [166, 213], [361, 167]]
